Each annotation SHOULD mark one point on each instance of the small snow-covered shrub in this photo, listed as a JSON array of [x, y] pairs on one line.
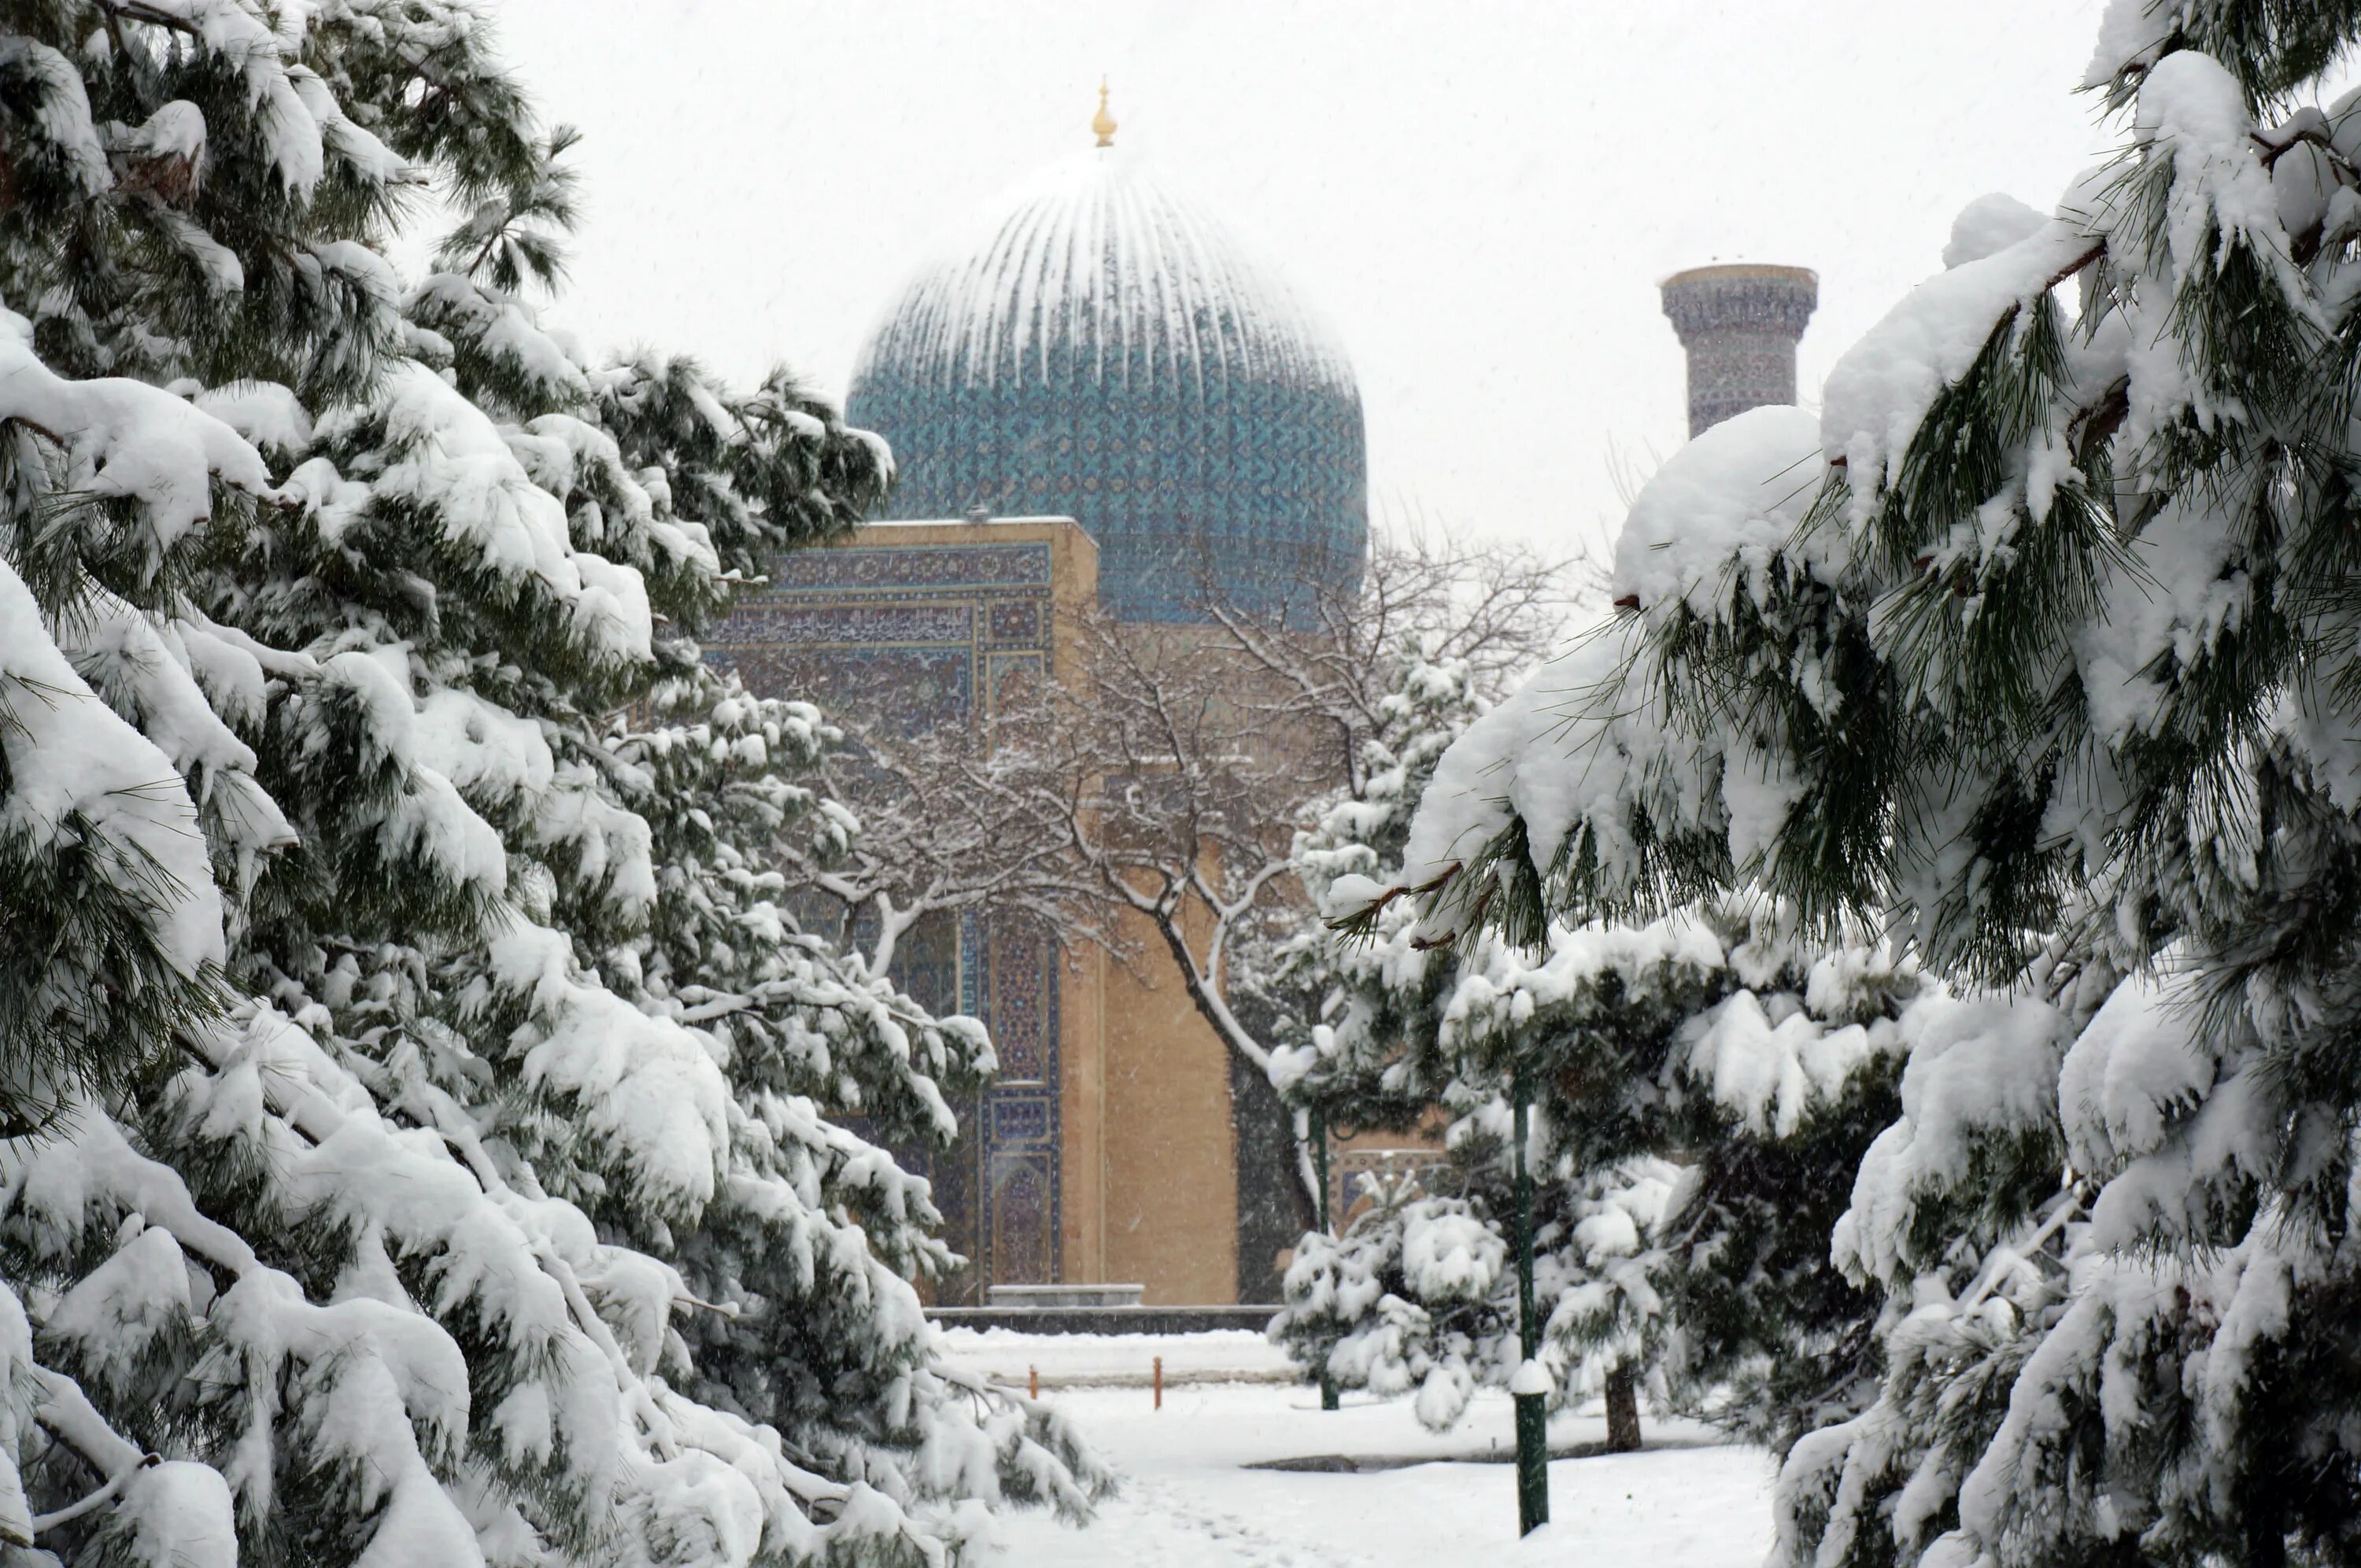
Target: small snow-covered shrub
[[1703, 1088]]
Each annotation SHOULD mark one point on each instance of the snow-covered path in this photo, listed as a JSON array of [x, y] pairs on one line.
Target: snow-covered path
[[1189, 1502]]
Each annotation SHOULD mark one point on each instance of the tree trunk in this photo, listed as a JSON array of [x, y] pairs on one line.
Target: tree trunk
[[2266, 1524], [1623, 1412]]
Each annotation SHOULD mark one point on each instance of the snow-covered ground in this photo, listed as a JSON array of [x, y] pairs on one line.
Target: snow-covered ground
[[1189, 1500], [1111, 1360]]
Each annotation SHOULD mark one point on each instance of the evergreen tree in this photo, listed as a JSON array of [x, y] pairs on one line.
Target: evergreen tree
[[1702, 1087], [2035, 641], [420, 1107], [826, 1342], [1310, 983]]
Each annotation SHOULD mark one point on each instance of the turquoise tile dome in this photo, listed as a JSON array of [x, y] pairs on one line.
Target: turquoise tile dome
[[1102, 347]]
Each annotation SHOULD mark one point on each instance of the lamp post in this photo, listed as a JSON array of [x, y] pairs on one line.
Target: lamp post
[[1320, 1170], [1533, 1416]]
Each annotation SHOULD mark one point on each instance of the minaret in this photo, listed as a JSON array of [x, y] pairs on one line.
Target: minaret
[[1740, 324]]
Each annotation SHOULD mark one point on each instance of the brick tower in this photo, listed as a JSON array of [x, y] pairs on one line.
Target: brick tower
[[1740, 324]]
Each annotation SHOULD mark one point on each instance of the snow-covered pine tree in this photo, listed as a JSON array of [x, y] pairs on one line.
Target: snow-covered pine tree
[[359, 1276], [651, 846], [1703, 1087], [825, 1340], [1311, 981], [2037, 640], [1706, 1084]]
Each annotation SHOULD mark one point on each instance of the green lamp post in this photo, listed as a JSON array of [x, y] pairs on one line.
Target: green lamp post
[[1320, 1171]]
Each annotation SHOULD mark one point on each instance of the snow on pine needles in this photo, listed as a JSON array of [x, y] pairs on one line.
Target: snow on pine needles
[[419, 1115], [2032, 650]]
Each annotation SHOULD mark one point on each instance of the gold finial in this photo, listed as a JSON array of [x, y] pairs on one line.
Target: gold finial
[[1103, 122]]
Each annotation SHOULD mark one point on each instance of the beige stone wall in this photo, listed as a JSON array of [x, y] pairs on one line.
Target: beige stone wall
[[1150, 1166], [1171, 1214], [1082, 1117], [1148, 1157], [1147, 1168], [1147, 1174]]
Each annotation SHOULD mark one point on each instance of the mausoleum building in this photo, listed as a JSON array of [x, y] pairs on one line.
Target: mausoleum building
[[1096, 394]]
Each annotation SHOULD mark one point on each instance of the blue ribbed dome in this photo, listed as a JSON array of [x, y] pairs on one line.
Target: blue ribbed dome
[[1102, 348]]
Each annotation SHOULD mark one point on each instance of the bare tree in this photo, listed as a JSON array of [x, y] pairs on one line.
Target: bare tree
[[1158, 788], [948, 823], [1178, 793], [1324, 662], [1183, 762]]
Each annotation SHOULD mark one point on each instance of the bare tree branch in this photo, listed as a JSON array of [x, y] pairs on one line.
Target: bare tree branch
[[1191, 758], [1161, 785]]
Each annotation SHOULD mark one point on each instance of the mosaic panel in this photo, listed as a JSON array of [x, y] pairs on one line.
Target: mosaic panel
[[858, 623], [850, 569], [923, 684], [1350, 1171], [1020, 1022], [1027, 1119], [1024, 1218], [1013, 676], [1015, 620]]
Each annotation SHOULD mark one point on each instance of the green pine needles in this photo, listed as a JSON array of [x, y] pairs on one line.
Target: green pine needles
[[424, 1125], [2034, 649]]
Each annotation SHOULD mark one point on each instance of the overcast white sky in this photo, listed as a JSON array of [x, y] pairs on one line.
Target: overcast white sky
[[1480, 195]]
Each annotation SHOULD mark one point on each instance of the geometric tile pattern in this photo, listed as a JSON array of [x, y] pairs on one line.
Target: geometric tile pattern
[[1739, 326], [1258, 490]]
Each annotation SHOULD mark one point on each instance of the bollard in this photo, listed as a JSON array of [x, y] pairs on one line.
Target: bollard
[[1159, 1381], [1033, 1382]]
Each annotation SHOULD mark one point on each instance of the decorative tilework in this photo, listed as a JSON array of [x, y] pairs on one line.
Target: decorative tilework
[[1107, 354], [1021, 1118], [1015, 620], [1020, 1026], [807, 624], [1015, 564], [1011, 675], [936, 681], [919, 634], [1259, 488], [1740, 327], [926, 962], [971, 929], [1024, 1217], [1349, 1171]]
